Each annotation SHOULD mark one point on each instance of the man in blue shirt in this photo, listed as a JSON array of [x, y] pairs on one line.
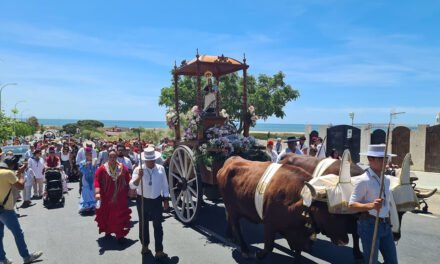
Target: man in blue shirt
[[291, 148]]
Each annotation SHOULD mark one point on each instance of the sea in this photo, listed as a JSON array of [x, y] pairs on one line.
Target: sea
[[260, 126]]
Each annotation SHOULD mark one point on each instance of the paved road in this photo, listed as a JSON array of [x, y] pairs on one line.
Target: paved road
[[65, 237]]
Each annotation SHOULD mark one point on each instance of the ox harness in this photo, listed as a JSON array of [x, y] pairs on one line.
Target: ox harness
[[262, 185], [259, 199], [322, 166]]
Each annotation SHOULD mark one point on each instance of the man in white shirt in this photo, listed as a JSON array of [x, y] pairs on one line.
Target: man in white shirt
[[365, 199], [154, 188]]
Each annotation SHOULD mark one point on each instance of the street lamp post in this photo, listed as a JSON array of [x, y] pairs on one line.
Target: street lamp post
[[351, 115], [1, 90], [15, 110]]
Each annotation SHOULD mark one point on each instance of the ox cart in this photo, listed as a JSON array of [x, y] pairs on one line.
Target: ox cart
[[190, 175]]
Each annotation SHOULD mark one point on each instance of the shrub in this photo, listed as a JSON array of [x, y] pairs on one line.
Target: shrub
[[70, 128], [90, 123]]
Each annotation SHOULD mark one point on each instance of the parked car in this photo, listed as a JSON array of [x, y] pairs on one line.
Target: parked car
[[18, 150]]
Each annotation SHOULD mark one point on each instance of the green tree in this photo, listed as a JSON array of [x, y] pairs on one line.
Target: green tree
[[90, 123], [135, 132], [268, 94], [6, 126], [70, 128], [23, 129], [187, 94], [33, 122], [91, 133]]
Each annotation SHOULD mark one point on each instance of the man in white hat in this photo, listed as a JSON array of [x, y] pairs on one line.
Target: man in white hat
[[155, 190], [365, 199], [291, 148]]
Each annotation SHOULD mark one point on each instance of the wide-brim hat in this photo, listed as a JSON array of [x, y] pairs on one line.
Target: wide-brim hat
[[8, 161], [150, 154], [291, 139], [89, 142], [377, 151]]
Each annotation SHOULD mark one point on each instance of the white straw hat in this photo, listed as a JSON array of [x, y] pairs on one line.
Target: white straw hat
[[150, 154], [377, 151], [89, 142]]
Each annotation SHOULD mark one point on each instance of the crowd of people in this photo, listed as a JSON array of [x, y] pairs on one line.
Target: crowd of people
[[113, 173], [298, 146], [110, 173]]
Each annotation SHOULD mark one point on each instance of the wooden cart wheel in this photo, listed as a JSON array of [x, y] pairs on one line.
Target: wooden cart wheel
[[185, 185]]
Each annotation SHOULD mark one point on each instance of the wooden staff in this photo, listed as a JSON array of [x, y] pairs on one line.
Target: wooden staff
[[142, 201], [322, 146], [382, 182]]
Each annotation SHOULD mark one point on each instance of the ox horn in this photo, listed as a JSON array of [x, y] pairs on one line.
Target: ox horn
[[344, 170], [308, 193], [312, 189], [404, 177]]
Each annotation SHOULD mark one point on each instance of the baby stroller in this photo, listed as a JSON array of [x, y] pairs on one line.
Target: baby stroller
[[54, 188]]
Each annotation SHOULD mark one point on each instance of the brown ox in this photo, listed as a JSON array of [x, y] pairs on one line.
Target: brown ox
[[283, 208], [309, 163]]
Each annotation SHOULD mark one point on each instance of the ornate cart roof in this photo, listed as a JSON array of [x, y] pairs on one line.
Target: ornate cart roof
[[217, 65]]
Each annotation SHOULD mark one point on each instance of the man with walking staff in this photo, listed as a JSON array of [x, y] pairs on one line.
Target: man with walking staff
[[150, 181], [365, 199]]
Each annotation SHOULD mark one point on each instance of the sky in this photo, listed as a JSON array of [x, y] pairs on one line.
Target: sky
[[108, 60]]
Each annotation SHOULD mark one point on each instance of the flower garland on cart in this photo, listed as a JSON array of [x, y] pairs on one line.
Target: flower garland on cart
[[193, 117], [225, 141], [172, 118]]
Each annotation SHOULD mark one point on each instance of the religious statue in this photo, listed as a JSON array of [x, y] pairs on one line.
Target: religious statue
[[210, 95]]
